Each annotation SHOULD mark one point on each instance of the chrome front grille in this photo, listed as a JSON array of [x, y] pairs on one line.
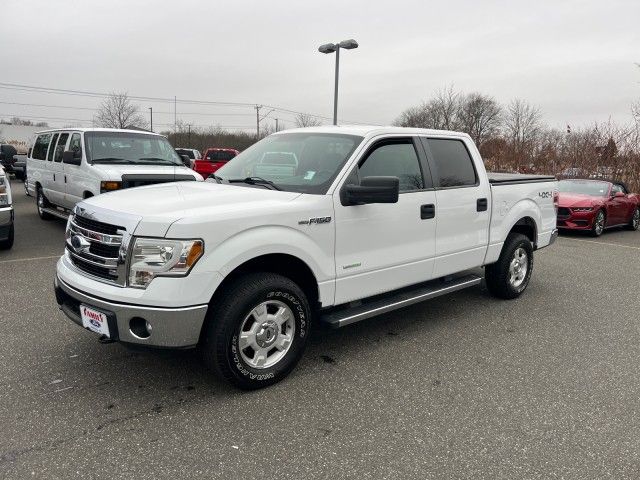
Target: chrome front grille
[[98, 249]]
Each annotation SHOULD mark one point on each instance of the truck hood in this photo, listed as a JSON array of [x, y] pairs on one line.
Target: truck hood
[[158, 206], [115, 172]]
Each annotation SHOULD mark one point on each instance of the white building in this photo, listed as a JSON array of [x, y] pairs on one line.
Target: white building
[[19, 136]]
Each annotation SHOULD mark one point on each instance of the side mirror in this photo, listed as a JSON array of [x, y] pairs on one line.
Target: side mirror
[[371, 190], [186, 160], [618, 195], [72, 157]]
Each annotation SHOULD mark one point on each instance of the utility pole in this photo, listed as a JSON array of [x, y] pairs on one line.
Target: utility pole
[[258, 107], [277, 124], [189, 134], [151, 115], [175, 114]]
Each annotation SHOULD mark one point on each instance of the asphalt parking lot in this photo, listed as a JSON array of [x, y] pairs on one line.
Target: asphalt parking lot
[[466, 386]]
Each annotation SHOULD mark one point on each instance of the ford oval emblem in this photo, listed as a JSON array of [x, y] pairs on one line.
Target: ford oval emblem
[[79, 243]]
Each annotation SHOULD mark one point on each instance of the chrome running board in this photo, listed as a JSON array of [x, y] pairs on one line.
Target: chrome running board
[[341, 316], [56, 213]]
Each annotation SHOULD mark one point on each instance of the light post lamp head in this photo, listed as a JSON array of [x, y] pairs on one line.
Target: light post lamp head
[[348, 44], [328, 48]]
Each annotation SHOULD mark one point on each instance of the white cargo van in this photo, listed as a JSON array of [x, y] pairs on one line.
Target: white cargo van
[[66, 166]]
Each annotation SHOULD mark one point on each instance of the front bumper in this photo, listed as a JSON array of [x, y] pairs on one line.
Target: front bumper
[[172, 327], [6, 220], [576, 220]]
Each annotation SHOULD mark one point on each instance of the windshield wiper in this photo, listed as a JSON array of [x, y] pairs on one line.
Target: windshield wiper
[[256, 181], [111, 160], [162, 160], [215, 177]]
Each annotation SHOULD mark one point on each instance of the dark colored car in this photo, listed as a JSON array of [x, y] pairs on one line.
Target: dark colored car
[[6, 156], [20, 166], [595, 205], [213, 159]]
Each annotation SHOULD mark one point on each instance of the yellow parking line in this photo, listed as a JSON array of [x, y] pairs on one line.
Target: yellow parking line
[[29, 259], [601, 243]]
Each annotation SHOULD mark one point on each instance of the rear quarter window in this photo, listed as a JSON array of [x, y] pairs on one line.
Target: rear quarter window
[[40, 147]]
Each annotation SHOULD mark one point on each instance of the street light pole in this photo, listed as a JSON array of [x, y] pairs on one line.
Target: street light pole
[[331, 48], [151, 115]]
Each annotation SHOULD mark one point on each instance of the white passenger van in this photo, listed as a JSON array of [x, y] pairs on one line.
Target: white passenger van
[[65, 166]]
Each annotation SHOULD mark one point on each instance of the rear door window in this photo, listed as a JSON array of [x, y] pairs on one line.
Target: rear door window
[[452, 161], [40, 147], [62, 142], [52, 146]]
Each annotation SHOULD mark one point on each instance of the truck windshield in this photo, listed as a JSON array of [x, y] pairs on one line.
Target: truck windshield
[[130, 148], [587, 187], [295, 162]]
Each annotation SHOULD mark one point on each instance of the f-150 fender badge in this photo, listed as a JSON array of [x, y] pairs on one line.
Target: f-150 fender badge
[[315, 221]]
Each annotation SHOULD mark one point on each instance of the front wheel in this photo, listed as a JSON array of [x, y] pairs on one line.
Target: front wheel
[[256, 331], [42, 203], [634, 223], [510, 275], [8, 242], [598, 224]]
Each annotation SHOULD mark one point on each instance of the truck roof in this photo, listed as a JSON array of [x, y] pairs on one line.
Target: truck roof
[[85, 129], [371, 130]]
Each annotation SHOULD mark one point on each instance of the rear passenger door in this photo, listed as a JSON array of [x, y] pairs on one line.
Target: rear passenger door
[[52, 181], [463, 205], [381, 247], [60, 179]]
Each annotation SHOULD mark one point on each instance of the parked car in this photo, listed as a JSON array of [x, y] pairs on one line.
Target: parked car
[[595, 205], [370, 220], [213, 159], [192, 153], [7, 152], [20, 166], [6, 212], [69, 165]]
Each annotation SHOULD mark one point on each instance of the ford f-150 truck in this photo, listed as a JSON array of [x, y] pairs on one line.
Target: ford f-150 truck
[[367, 220]]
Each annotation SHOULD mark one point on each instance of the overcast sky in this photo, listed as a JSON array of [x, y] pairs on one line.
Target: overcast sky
[[573, 59]]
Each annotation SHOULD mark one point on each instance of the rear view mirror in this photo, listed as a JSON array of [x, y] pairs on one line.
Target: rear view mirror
[[618, 195], [72, 157], [371, 190]]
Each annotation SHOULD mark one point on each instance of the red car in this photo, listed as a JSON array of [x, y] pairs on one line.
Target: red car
[[594, 205], [213, 159]]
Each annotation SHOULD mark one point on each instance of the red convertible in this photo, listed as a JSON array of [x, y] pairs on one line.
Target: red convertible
[[594, 205]]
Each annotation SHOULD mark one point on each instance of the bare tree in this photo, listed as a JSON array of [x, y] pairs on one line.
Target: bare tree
[[117, 111], [480, 116], [306, 120], [440, 112], [522, 124]]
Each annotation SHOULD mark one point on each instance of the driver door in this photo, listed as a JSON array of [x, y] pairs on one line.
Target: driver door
[[618, 206], [382, 247]]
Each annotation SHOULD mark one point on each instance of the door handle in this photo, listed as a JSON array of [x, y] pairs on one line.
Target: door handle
[[482, 205], [54, 177], [65, 179], [427, 211]]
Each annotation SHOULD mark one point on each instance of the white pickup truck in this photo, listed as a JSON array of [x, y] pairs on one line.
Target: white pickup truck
[[367, 220]]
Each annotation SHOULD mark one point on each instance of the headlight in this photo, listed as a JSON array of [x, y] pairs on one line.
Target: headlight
[[109, 186], [582, 209], [4, 196], [157, 257]]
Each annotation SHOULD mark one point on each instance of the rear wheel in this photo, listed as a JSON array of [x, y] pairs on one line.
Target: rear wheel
[[8, 242], [510, 275], [634, 223], [598, 224], [42, 203], [257, 330]]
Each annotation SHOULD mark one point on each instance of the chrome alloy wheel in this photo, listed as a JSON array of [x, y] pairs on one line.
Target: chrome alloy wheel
[[518, 267], [599, 227], [266, 334], [40, 201], [636, 219]]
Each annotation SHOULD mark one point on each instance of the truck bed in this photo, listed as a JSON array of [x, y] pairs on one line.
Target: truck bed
[[517, 178]]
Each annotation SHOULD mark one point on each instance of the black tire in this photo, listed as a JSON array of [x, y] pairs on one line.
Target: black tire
[[498, 276], [42, 202], [598, 229], [634, 222], [8, 242], [220, 341]]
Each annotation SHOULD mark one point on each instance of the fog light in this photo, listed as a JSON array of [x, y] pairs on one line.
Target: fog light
[[140, 328]]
